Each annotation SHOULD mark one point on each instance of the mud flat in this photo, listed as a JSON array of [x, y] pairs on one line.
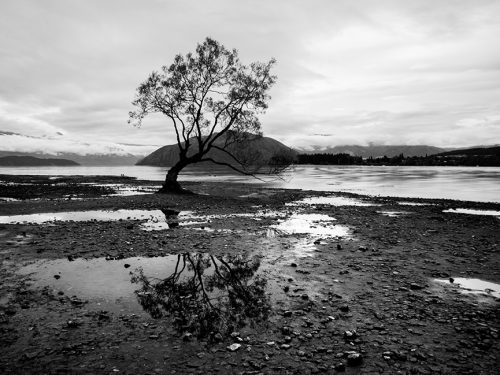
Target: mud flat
[[111, 278]]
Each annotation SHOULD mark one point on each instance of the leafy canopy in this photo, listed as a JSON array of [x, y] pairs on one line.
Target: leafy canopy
[[206, 94]]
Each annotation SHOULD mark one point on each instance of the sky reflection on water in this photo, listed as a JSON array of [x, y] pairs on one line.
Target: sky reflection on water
[[480, 184]]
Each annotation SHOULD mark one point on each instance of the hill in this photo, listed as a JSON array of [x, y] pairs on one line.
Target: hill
[[89, 159], [476, 151], [376, 151], [259, 149], [30, 161]]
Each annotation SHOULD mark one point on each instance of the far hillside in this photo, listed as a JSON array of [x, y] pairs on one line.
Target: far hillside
[[477, 156], [30, 161], [262, 150]]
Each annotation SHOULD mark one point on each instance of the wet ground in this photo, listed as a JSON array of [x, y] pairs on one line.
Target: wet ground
[[245, 279]]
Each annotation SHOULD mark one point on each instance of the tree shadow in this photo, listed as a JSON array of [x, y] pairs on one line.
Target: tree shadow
[[207, 295]]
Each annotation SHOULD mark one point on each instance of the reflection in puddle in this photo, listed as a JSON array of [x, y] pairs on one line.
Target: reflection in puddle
[[414, 204], [474, 286], [205, 294], [333, 201], [473, 212], [202, 293], [97, 215], [128, 190], [393, 213], [313, 224], [152, 219], [105, 283]]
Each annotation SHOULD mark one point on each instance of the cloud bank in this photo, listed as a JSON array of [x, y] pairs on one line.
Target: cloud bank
[[391, 72]]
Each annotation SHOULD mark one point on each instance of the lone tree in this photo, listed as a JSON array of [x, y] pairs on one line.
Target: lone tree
[[212, 101]]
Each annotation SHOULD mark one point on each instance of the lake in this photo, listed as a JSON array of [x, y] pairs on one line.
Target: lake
[[481, 184]]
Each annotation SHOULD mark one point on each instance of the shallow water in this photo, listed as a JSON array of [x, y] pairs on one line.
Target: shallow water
[[473, 212], [393, 213], [311, 224], [332, 201], [91, 215], [474, 286], [480, 184], [125, 285], [106, 283]]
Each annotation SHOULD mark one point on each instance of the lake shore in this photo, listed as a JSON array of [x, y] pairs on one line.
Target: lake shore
[[360, 301]]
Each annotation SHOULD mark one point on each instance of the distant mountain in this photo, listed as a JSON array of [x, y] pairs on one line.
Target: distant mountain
[[30, 161], [476, 151], [88, 160], [376, 151], [257, 148]]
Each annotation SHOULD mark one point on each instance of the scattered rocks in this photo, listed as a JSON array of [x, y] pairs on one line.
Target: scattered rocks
[[354, 358], [415, 286], [234, 347], [344, 308]]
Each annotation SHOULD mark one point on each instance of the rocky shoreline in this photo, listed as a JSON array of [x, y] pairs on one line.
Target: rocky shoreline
[[360, 301]]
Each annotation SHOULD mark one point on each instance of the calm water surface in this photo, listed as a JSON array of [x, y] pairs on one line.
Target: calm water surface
[[464, 183]]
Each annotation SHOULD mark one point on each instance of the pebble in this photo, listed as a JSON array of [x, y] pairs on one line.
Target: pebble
[[233, 347]]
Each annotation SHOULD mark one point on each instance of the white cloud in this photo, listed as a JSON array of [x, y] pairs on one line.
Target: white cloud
[[56, 145], [389, 71]]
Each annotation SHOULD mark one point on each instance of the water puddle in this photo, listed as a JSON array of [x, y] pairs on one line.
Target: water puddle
[[7, 199], [202, 292], [311, 224], [333, 201], [128, 190], [393, 213], [473, 212], [473, 286], [92, 215], [414, 204]]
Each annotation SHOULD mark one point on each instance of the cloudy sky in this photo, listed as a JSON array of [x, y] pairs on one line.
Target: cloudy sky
[[349, 72]]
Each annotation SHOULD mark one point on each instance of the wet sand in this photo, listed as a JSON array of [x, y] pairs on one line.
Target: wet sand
[[351, 282]]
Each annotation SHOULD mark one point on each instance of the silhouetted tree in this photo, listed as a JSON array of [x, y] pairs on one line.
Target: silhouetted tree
[[212, 101]]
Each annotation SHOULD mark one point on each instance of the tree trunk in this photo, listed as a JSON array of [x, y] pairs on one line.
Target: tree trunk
[[171, 185]]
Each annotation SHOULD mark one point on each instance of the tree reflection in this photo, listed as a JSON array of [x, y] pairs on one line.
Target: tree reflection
[[206, 295]]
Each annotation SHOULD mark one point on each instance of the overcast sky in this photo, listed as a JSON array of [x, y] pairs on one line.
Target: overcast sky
[[349, 72]]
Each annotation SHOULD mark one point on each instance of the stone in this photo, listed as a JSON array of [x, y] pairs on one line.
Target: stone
[[339, 367], [233, 347], [350, 335], [344, 308], [354, 359], [415, 286]]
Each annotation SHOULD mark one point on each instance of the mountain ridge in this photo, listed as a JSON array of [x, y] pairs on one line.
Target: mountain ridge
[[260, 149], [376, 151], [31, 161]]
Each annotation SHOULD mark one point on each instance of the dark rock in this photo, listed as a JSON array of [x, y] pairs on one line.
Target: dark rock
[[57, 277], [344, 308], [350, 335], [126, 265], [339, 367], [293, 264], [415, 286], [354, 359], [72, 324], [339, 246]]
